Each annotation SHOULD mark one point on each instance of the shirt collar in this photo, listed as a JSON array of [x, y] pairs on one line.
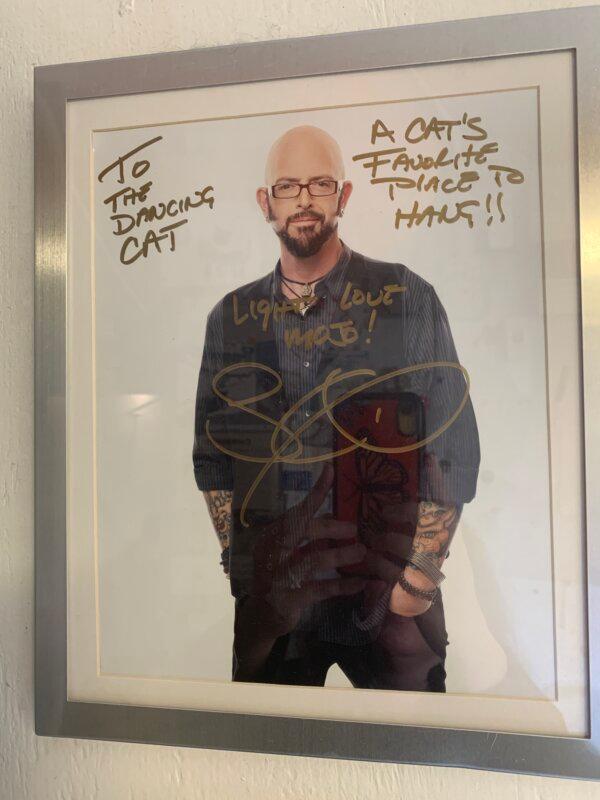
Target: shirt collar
[[332, 283]]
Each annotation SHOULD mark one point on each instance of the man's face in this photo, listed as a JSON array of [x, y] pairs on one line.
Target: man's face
[[306, 222]]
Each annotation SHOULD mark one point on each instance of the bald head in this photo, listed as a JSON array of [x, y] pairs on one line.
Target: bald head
[[302, 153]]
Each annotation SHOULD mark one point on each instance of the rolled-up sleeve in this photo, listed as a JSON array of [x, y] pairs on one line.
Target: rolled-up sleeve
[[450, 463], [212, 468]]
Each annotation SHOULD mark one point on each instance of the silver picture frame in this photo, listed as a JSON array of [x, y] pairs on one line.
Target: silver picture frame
[[573, 30]]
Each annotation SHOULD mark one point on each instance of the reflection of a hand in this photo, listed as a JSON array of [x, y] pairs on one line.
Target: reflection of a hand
[[293, 552], [387, 554], [391, 545]]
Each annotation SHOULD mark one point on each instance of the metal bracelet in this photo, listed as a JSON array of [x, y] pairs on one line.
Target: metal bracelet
[[426, 564], [422, 594]]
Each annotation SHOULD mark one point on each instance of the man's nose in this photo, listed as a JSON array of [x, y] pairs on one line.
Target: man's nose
[[304, 198]]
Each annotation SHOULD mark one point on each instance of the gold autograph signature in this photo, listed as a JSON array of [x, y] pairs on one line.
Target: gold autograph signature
[[279, 426]]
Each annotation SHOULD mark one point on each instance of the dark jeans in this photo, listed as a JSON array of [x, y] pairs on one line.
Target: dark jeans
[[400, 658]]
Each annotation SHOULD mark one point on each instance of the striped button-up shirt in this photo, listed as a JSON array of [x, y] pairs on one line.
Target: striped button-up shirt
[[428, 339]]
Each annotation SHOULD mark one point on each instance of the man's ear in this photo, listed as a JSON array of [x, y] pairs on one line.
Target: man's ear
[[345, 194], [262, 198]]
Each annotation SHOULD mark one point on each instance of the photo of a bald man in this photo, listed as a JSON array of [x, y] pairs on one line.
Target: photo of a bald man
[[334, 547]]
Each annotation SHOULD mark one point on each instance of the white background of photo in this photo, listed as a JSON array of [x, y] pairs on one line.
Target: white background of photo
[[164, 604]]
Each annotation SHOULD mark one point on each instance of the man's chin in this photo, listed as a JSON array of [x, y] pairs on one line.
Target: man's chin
[[302, 247], [306, 243]]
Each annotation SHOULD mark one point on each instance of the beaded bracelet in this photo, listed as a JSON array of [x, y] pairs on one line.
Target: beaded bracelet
[[422, 594]]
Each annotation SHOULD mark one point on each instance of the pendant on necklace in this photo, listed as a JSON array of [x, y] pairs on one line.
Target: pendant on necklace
[[307, 298]]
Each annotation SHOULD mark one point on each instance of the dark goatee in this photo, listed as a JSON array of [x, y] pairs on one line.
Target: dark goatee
[[307, 244]]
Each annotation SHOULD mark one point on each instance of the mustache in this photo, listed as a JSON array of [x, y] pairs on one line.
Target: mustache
[[305, 215]]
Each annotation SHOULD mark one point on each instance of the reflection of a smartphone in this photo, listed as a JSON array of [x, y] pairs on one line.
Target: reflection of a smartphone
[[369, 485]]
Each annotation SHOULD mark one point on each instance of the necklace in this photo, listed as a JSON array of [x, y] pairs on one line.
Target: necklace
[[306, 283], [307, 295]]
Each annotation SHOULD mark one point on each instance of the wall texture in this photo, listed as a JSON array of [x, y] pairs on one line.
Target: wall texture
[[34, 32]]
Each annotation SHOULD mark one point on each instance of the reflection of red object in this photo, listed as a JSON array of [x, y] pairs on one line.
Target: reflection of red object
[[367, 482]]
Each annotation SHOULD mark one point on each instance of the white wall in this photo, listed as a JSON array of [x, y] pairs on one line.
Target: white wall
[[33, 33]]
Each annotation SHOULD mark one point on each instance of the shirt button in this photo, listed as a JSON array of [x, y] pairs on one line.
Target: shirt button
[[307, 363], [307, 413]]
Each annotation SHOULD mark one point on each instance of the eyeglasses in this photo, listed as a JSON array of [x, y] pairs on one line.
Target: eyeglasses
[[286, 190]]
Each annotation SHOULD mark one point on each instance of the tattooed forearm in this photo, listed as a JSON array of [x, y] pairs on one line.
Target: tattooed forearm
[[436, 524], [219, 508]]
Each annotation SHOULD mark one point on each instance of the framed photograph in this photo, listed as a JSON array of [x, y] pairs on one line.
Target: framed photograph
[[316, 370]]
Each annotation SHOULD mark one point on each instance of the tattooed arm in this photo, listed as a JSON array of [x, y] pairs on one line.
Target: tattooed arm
[[219, 508], [436, 524]]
